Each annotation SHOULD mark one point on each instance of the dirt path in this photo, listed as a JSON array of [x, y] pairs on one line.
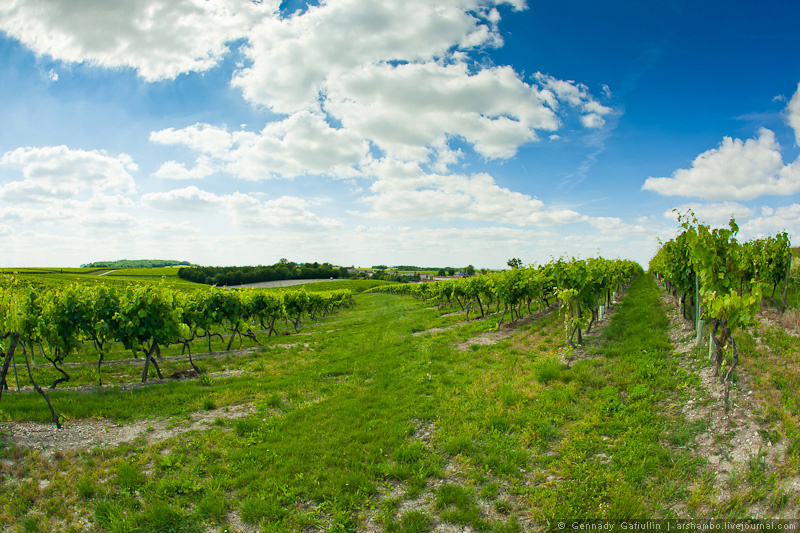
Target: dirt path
[[732, 443], [103, 433], [489, 338], [595, 337], [506, 330]]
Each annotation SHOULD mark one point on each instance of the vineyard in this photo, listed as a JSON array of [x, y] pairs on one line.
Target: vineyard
[[143, 319], [580, 287], [725, 281], [495, 403]]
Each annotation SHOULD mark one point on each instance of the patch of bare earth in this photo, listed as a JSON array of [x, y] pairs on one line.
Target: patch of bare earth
[[594, 338], [789, 320], [103, 433], [732, 441], [506, 330], [424, 501]]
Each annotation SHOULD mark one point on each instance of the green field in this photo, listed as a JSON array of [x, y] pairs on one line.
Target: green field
[[54, 277], [400, 417], [61, 276]]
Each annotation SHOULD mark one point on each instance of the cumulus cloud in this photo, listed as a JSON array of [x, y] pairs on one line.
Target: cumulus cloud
[[348, 77], [715, 214], [189, 199], [399, 74], [290, 59], [408, 110], [160, 39], [736, 170], [285, 212], [576, 95], [793, 114], [204, 138], [405, 192], [244, 210], [617, 227], [774, 220], [303, 143], [178, 171], [56, 172]]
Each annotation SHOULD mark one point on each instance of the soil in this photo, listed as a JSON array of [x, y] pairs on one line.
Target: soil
[[731, 440], [595, 337], [103, 433], [505, 330], [425, 501]]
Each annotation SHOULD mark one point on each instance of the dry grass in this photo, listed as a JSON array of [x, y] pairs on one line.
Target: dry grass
[[790, 320]]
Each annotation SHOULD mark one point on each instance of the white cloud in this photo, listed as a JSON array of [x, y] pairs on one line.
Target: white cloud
[[715, 214], [404, 192], [736, 170], [244, 210], [793, 114], [204, 138], [292, 58], [301, 144], [159, 38], [398, 74], [190, 199], [773, 221], [285, 212], [617, 227], [395, 74], [577, 96], [58, 173], [109, 221], [408, 110], [178, 171]]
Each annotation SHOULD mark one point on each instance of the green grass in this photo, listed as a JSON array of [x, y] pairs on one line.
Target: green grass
[[55, 277], [368, 409]]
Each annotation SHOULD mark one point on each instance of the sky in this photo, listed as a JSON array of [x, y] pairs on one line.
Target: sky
[[396, 132]]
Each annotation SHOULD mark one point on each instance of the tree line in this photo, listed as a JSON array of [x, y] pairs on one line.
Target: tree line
[[137, 263], [241, 275]]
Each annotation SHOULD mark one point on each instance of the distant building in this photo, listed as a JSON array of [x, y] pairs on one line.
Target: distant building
[[445, 278]]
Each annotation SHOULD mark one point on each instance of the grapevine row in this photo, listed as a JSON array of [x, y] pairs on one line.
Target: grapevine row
[[581, 286], [143, 318], [725, 280]]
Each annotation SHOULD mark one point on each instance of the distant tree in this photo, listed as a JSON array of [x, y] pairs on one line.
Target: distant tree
[[514, 262], [451, 271], [470, 270], [441, 272]]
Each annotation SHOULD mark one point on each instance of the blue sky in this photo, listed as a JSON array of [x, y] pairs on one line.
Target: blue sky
[[397, 132]]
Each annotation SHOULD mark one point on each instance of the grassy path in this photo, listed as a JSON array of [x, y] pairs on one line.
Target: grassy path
[[377, 425]]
